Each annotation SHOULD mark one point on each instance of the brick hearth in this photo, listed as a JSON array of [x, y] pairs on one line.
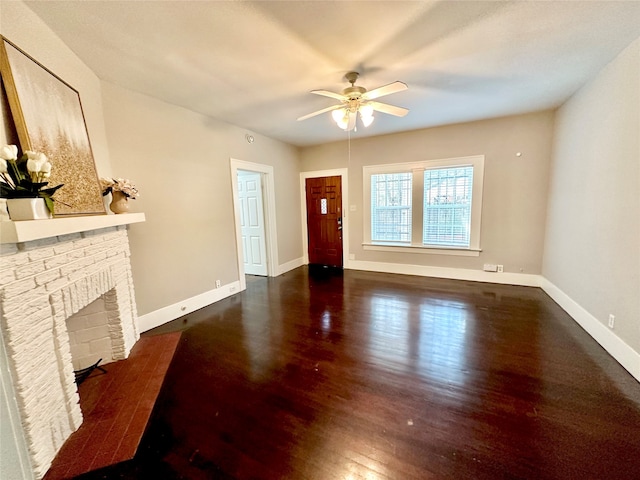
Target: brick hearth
[[116, 407]]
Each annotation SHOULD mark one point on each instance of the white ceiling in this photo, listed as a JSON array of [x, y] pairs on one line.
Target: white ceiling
[[253, 64]]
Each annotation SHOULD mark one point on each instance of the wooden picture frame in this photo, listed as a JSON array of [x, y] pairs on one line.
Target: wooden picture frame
[[48, 117]]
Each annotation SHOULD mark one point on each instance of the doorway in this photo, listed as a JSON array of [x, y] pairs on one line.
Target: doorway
[[252, 227], [324, 195], [268, 211], [324, 220]]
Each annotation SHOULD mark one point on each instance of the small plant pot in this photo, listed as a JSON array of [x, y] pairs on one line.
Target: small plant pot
[[119, 203], [28, 209]]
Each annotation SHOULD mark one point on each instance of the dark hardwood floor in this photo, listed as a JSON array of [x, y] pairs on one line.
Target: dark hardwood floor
[[325, 375]]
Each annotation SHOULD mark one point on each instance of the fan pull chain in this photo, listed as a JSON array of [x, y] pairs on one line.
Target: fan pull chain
[[349, 151]]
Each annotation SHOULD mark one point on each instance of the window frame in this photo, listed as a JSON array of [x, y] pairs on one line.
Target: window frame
[[399, 207], [417, 206]]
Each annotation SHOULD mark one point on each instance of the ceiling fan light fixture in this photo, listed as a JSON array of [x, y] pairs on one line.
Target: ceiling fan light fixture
[[366, 110], [366, 121], [341, 117], [366, 114], [338, 115]]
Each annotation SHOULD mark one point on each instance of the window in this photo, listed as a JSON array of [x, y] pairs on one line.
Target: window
[[447, 206], [434, 205], [391, 207]]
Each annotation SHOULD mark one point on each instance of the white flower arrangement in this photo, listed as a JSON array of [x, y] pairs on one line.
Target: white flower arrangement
[[119, 185], [25, 176]]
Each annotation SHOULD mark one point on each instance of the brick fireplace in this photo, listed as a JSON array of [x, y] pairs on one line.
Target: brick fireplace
[[43, 283]]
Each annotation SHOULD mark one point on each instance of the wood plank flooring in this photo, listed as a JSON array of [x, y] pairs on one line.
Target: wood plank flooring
[[327, 375]]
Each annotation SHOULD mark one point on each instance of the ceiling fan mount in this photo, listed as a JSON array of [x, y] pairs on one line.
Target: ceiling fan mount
[[353, 92], [352, 77], [356, 99]]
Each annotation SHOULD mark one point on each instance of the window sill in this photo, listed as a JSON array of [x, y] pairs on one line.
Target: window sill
[[462, 252]]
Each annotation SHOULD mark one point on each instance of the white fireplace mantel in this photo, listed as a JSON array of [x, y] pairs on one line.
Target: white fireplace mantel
[[29, 230]]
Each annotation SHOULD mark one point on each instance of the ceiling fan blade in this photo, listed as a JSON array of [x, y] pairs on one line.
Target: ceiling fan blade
[[327, 93], [328, 109], [390, 109], [385, 90]]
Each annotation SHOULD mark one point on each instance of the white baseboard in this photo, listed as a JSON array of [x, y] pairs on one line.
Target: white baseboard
[[527, 280], [171, 312], [287, 267], [177, 310], [616, 347]]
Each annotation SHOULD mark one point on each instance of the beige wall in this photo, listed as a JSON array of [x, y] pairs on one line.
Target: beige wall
[[515, 188], [180, 161], [592, 246]]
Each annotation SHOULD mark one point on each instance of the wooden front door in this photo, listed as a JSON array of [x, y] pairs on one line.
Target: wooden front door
[[324, 220]]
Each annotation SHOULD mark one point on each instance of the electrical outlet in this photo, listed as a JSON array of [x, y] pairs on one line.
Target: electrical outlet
[[612, 320], [500, 268], [218, 284], [490, 267]]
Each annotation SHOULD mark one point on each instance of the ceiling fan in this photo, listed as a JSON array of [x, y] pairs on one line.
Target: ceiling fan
[[358, 99]]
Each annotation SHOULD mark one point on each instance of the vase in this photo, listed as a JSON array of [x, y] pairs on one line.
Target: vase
[[27, 209], [119, 202]]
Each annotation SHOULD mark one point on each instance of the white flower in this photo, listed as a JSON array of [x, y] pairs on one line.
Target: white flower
[[36, 161], [27, 176], [9, 152]]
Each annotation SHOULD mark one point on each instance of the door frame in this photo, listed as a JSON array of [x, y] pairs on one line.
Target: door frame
[[343, 173], [269, 207]]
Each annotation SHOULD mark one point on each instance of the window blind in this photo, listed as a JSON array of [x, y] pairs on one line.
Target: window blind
[[391, 207], [447, 206]]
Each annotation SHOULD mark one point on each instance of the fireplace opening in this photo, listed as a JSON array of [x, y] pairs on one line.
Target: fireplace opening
[[89, 337]]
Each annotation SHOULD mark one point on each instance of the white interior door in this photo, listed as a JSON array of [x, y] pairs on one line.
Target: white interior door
[[254, 246]]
